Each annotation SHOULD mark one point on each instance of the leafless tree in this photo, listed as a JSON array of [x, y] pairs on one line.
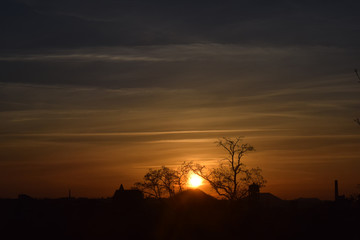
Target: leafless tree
[[183, 175], [168, 180], [255, 177], [231, 178], [357, 120], [151, 185], [163, 182], [357, 74]]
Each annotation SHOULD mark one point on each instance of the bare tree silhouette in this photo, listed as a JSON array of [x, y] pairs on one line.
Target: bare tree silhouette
[[357, 120], [183, 175], [151, 186], [231, 178], [164, 182], [357, 74]]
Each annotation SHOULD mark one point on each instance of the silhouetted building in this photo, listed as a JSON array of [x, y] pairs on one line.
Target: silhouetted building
[[132, 195], [254, 192]]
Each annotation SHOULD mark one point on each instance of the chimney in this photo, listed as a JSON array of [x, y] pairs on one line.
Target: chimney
[[336, 191]]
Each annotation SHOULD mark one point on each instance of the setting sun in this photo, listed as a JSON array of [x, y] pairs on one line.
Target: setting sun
[[195, 181]]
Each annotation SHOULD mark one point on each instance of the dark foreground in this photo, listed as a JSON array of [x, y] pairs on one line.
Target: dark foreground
[[176, 219]]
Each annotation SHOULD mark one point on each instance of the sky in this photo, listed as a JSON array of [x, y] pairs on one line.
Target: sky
[[94, 93]]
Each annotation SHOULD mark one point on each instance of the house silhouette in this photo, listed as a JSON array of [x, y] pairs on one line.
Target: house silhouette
[[132, 195]]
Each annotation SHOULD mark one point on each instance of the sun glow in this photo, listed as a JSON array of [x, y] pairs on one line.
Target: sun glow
[[195, 181]]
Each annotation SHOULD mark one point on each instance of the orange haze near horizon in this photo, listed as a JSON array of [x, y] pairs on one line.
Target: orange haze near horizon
[[95, 170]]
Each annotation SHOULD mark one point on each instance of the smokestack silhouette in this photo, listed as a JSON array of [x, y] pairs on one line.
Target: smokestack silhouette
[[336, 191]]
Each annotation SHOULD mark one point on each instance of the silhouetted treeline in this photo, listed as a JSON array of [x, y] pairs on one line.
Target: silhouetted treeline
[[188, 216]]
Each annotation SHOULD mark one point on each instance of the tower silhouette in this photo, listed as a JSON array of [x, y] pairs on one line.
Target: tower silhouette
[[336, 191]]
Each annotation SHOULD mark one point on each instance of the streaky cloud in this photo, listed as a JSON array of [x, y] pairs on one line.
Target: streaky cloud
[[136, 133]]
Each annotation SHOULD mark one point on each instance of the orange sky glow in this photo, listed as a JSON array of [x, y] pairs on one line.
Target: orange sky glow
[[136, 86]]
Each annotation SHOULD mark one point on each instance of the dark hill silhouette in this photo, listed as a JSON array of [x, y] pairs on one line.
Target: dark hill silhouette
[[266, 198], [24, 197], [192, 196], [307, 202], [312, 200], [269, 197]]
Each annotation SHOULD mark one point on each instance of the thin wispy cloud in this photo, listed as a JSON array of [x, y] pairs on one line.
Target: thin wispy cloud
[[82, 57], [172, 53], [138, 133]]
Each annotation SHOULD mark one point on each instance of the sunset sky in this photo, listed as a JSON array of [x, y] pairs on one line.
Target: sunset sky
[[93, 93]]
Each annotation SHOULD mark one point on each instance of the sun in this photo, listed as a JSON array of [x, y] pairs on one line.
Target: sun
[[194, 181]]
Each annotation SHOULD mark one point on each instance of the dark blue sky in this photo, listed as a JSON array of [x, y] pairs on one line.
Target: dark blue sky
[[34, 25]]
